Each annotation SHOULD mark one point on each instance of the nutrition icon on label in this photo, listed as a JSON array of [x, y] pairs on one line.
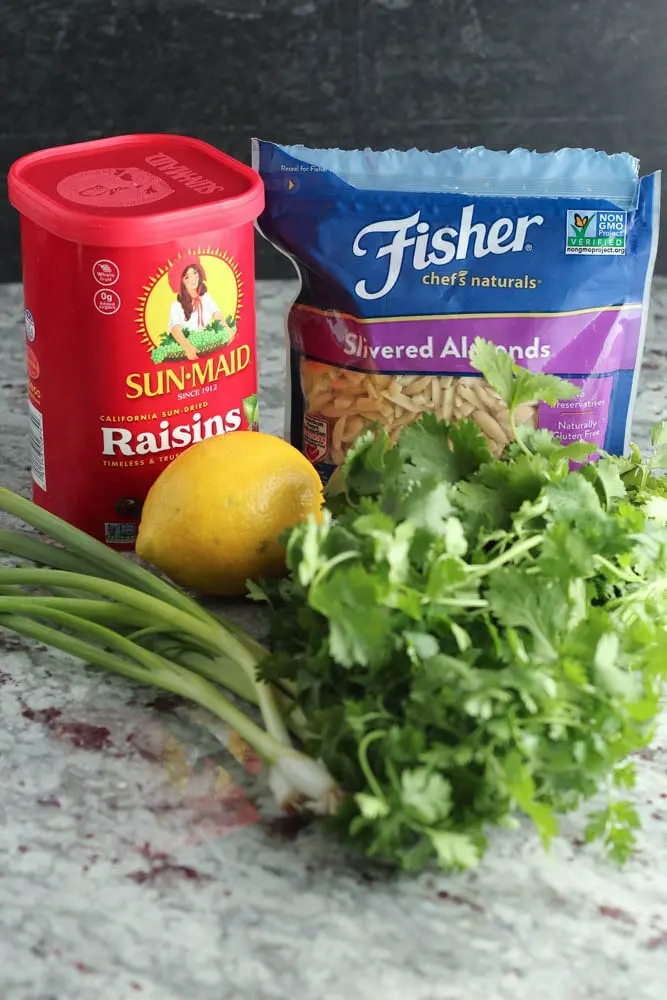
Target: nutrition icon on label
[[29, 325], [105, 272], [107, 301]]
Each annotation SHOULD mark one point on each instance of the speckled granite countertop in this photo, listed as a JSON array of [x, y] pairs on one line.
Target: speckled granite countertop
[[134, 862]]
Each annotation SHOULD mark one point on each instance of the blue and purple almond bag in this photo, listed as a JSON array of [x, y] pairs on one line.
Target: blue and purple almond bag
[[405, 257]]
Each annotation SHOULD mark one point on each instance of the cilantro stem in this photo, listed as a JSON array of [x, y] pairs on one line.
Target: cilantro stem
[[555, 721], [331, 563], [642, 594], [362, 753], [458, 602], [518, 440], [525, 545], [627, 577]]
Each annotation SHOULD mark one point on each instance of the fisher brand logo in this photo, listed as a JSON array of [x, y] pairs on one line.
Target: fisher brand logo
[[441, 246]]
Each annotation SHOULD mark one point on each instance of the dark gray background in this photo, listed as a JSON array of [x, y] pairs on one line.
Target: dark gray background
[[430, 73]]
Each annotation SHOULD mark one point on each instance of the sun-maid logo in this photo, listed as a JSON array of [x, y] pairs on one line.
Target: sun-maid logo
[[170, 167], [438, 247], [591, 231], [187, 318]]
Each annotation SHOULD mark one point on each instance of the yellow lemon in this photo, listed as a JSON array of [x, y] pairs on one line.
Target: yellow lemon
[[213, 517]]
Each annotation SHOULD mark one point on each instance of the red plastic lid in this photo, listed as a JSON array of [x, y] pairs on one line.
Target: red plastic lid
[[134, 190]]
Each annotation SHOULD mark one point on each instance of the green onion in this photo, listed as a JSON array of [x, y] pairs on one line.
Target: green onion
[[96, 604]]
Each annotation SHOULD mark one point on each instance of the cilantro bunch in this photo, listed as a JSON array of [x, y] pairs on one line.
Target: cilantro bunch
[[471, 641]]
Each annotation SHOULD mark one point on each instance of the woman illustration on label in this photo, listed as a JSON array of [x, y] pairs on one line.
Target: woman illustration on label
[[194, 307]]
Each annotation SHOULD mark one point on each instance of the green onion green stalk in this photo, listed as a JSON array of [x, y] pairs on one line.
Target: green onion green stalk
[[87, 600]]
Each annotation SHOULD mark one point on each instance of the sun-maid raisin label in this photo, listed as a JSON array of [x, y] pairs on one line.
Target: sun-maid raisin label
[[188, 322], [125, 375]]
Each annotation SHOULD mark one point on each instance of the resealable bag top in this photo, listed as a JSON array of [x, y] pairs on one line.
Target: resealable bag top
[[404, 257]]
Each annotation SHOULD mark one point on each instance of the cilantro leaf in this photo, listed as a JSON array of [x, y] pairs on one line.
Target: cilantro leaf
[[539, 387], [541, 441], [430, 447], [615, 826], [360, 630], [426, 794], [427, 506], [606, 479], [517, 603], [522, 788], [370, 462], [496, 366], [454, 850], [515, 384]]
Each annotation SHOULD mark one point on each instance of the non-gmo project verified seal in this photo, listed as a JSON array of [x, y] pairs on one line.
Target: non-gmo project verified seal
[[591, 231]]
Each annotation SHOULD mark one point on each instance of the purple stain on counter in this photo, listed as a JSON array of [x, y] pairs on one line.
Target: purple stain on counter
[[81, 734], [616, 913], [659, 941], [147, 852], [185, 871], [44, 715], [160, 865]]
